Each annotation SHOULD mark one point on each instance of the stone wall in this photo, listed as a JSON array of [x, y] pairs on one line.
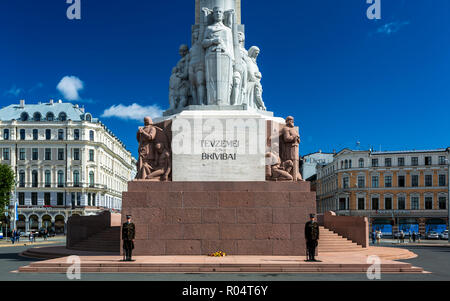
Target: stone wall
[[355, 228], [239, 218], [80, 228]]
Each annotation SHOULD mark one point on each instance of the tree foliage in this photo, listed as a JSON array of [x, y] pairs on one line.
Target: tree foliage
[[6, 185]]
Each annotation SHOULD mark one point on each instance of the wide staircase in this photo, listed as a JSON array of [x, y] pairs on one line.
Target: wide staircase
[[105, 241], [333, 242]]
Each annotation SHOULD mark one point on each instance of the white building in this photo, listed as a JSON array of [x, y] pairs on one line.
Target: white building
[[310, 162], [66, 162]]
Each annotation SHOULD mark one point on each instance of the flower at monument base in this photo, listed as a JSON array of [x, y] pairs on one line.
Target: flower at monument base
[[218, 254]]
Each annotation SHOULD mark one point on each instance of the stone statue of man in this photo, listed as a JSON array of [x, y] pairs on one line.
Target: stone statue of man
[[163, 164], [240, 74], [145, 136], [182, 72], [197, 70], [254, 88], [219, 57], [290, 140]]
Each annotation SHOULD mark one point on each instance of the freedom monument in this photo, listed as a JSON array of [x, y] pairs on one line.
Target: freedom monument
[[218, 171]]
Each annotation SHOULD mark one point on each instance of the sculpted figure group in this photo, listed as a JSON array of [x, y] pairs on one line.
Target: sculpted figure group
[[282, 161], [154, 161], [217, 70]]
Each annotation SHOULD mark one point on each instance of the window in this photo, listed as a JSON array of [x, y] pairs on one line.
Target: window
[[374, 162], [60, 134], [93, 199], [375, 203], [361, 204], [91, 179], [401, 161], [375, 182], [78, 199], [50, 116], [76, 154], [401, 203], [73, 199], [62, 116], [76, 135], [91, 135], [388, 203], [76, 178], [60, 199], [428, 161], [48, 134], [415, 161], [21, 178], [91, 155], [428, 203], [24, 116], [48, 154], [34, 198], [441, 160], [415, 181], [21, 198], [345, 182], [442, 180], [21, 154], [34, 178], [22, 134], [6, 154], [388, 162], [361, 163], [401, 181], [48, 179], [414, 203], [60, 154], [47, 198], [361, 181], [60, 178], [35, 134], [442, 203], [349, 163], [342, 204], [428, 180], [388, 181], [37, 116], [6, 134]]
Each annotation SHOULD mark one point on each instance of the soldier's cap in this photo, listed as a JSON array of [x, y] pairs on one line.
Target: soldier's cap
[[128, 216], [312, 215]]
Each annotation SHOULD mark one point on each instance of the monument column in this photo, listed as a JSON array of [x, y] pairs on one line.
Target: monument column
[[226, 4]]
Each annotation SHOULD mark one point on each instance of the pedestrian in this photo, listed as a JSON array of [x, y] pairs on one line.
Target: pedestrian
[[419, 235], [414, 236], [312, 237], [402, 236], [13, 236], [409, 237], [374, 236], [45, 234], [128, 234], [378, 236], [17, 236]]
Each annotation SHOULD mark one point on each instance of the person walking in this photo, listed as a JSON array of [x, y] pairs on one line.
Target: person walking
[[409, 237], [128, 235], [414, 236], [17, 236], [312, 237], [13, 236], [378, 236]]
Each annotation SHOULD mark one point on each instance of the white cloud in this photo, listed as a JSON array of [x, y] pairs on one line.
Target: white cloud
[[70, 86], [391, 28], [133, 112], [14, 91]]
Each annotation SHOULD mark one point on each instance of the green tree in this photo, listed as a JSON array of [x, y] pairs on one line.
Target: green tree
[[6, 185]]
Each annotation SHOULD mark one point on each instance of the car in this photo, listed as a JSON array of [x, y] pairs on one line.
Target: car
[[1, 235], [444, 235], [432, 235]]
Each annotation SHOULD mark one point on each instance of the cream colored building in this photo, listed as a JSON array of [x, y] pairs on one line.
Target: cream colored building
[[66, 162]]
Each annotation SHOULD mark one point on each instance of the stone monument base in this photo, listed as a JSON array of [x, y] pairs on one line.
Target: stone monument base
[[238, 218]]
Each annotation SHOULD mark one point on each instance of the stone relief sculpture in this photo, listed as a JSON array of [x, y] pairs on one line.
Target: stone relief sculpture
[[217, 70], [289, 143], [275, 170], [154, 162]]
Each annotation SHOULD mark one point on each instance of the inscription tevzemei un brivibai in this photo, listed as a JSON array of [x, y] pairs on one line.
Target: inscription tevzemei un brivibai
[[221, 147]]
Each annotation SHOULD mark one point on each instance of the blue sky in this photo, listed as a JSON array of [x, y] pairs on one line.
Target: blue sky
[[385, 83]]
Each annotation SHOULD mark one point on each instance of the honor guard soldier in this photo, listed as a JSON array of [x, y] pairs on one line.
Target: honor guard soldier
[[312, 237], [128, 234]]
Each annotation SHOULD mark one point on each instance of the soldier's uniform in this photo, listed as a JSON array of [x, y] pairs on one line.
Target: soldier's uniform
[[128, 234], [312, 238]]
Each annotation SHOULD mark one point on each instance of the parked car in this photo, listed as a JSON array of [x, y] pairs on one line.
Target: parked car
[[432, 235], [24, 234], [1, 235], [444, 235]]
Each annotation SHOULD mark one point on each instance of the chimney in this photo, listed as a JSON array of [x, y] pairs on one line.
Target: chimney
[[22, 103]]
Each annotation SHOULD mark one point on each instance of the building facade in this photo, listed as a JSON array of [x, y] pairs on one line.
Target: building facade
[[404, 190], [66, 162]]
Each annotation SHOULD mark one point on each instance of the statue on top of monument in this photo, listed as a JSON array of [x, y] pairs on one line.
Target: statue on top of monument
[[240, 73], [197, 69], [289, 144], [179, 80], [254, 87], [219, 57]]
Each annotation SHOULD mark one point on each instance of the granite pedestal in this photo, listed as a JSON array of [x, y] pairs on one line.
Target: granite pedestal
[[239, 218]]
